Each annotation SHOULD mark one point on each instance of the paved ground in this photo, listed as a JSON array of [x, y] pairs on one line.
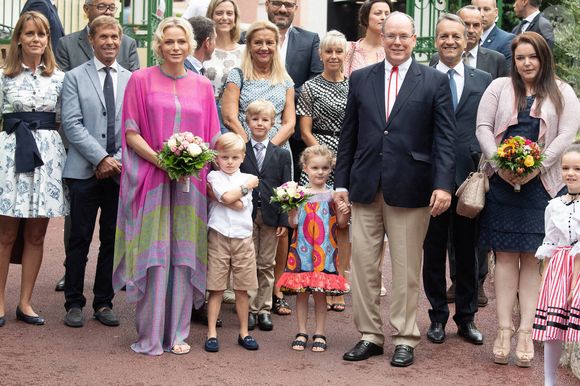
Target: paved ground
[[97, 355]]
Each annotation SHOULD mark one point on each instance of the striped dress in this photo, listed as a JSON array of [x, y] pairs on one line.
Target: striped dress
[[556, 319]]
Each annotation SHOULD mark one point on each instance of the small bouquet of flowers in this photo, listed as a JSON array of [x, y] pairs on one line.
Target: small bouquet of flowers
[[519, 155], [184, 155], [289, 195]]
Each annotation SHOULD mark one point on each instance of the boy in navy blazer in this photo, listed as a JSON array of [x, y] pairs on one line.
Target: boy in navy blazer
[[272, 165]]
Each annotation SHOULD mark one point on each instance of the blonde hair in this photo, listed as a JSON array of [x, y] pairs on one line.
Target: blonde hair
[[230, 142], [279, 74], [159, 35], [317, 151], [234, 32], [261, 106], [574, 148], [333, 38], [13, 64]]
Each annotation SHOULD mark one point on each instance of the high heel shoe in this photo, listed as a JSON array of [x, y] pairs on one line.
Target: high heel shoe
[[502, 345], [524, 349]]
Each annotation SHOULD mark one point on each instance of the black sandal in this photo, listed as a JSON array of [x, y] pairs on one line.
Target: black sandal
[[279, 304], [299, 343], [321, 345]]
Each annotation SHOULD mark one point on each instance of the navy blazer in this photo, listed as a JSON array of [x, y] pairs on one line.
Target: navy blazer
[[500, 41], [406, 157], [467, 150], [488, 60], [540, 25], [50, 12], [276, 170]]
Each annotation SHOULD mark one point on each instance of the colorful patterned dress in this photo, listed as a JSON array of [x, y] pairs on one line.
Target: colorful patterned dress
[[313, 256], [161, 239], [556, 319]]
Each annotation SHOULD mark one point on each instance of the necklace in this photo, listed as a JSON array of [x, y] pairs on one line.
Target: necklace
[[573, 196]]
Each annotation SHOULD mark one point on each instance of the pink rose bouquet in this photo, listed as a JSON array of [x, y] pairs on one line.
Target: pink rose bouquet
[[290, 196]]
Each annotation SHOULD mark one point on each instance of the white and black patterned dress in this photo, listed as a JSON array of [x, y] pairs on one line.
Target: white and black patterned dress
[[40, 193], [325, 102]]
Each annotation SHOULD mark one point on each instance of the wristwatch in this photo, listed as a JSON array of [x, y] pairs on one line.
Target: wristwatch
[[245, 190]]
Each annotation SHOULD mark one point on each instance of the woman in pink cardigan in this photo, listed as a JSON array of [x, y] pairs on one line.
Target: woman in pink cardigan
[[534, 104]]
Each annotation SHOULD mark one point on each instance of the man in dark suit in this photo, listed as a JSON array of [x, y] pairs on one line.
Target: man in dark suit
[[272, 165], [48, 9], [533, 20], [396, 165], [74, 49], [299, 52], [494, 37], [205, 35], [476, 56], [92, 99], [467, 86]]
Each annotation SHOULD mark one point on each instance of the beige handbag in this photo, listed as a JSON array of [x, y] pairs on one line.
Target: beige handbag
[[471, 194]]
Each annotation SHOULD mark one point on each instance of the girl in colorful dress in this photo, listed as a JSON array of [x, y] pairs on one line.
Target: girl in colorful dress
[[558, 312], [313, 256]]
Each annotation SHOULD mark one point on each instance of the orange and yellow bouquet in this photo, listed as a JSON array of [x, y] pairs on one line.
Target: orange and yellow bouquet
[[519, 155]]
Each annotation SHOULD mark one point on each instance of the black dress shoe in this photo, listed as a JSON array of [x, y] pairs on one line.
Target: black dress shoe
[[403, 356], [74, 317], [436, 332], [60, 285], [252, 321], [363, 350], [106, 316], [265, 322], [35, 320], [470, 333]]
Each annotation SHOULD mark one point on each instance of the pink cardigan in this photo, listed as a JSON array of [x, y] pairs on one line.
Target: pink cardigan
[[497, 111]]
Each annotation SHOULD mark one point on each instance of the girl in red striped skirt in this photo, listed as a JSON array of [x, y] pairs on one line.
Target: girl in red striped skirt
[[558, 312]]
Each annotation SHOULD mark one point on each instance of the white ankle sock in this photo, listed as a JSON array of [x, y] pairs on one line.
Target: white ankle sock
[[552, 353]]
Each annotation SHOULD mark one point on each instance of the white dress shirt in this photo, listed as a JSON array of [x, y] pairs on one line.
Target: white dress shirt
[[284, 47], [236, 224], [195, 63], [472, 59], [485, 34], [529, 19], [459, 76], [264, 142], [402, 73], [102, 74]]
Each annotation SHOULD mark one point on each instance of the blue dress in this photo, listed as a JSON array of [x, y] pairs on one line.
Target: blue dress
[[514, 221]]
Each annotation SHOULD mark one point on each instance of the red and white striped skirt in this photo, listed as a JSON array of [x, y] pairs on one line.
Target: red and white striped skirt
[[556, 319]]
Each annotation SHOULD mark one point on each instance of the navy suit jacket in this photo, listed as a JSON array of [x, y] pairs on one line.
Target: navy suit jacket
[[540, 25], [276, 170], [49, 10], [467, 150], [406, 157], [500, 41], [488, 60]]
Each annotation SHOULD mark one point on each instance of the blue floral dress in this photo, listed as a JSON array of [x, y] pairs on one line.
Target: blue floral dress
[[40, 193]]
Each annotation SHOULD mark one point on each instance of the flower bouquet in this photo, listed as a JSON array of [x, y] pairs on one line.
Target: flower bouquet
[[184, 155], [289, 195], [519, 155]]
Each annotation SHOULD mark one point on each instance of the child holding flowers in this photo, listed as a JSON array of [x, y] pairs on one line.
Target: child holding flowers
[[313, 257], [558, 311]]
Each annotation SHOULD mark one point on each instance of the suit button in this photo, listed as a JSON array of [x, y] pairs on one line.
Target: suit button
[[103, 136], [104, 113], [385, 132], [381, 153]]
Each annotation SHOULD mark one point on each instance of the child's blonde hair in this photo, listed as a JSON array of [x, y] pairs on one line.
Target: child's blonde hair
[[317, 150], [230, 142], [574, 148], [261, 106]]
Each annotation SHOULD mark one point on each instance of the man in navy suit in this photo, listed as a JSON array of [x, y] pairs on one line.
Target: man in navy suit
[[494, 37], [48, 9], [533, 20], [299, 52], [205, 35], [467, 86], [396, 164], [474, 55]]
